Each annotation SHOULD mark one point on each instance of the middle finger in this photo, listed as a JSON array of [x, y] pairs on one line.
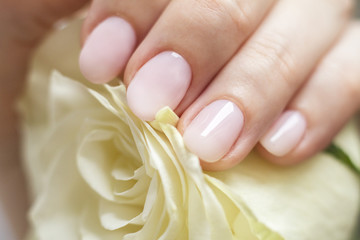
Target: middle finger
[[204, 35], [262, 77]]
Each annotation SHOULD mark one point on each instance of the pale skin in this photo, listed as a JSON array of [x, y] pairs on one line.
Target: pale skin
[[266, 57]]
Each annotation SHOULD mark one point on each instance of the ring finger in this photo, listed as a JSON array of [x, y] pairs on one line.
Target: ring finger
[[260, 80]]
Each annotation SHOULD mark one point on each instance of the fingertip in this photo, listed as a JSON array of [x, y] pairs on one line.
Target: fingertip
[[213, 132], [107, 50], [285, 134], [286, 160], [162, 81]]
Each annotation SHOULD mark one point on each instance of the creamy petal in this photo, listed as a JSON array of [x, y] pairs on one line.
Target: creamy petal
[[98, 172]]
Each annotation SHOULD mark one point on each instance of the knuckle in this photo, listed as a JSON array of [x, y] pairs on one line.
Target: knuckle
[[272, 55], [352, 87], [237, 14], [347, 79], [345, 7], [240, 15], [348, 6]]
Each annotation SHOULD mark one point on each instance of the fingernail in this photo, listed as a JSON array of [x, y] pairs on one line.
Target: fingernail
[[107, 50], [285, 134], [214, 130], [162, 81]]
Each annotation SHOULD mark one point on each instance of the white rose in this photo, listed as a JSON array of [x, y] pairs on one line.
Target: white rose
[[98, 172]]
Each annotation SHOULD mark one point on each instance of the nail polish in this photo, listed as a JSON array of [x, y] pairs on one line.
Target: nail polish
[[162, 81], [285, 134], [214, 130], [107, 50]]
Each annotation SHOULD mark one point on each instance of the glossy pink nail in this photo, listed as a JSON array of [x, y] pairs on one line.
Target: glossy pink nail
[[162, 81], [107, 50], [214, 130], [285, 134]]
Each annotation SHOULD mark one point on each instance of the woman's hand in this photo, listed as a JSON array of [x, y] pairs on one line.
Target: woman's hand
[[265, 57], [238, 72]]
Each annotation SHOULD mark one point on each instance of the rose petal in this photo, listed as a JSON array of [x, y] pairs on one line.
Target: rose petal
[[89, 158]]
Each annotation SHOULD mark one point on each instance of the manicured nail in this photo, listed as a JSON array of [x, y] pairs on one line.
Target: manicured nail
[[107, 50], [162, 81], [285, 134], [214, 130]]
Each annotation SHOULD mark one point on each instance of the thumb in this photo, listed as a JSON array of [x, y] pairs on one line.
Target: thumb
[[28, 21], [56, 9]]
